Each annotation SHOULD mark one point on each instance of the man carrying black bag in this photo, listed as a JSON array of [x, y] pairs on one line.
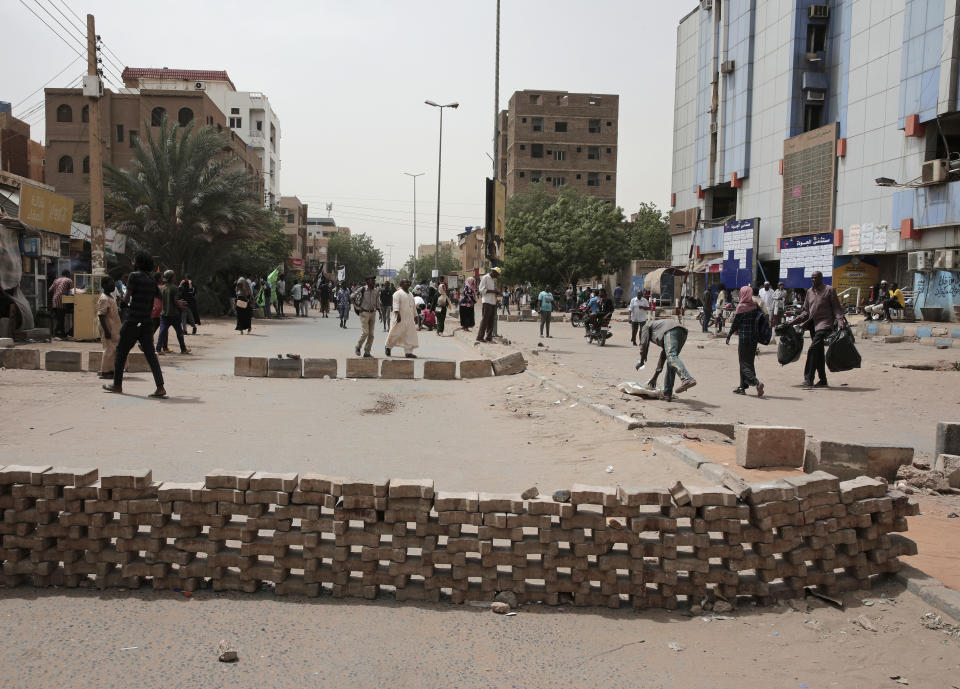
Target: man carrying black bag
[[821, 311]]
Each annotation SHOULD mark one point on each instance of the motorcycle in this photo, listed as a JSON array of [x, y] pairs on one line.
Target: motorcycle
[[599, 332], [578, 315]]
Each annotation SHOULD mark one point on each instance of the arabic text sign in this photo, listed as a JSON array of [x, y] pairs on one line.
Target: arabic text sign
[[45, 210], [801, 256]]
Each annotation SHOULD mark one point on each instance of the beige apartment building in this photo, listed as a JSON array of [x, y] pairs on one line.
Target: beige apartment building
[[19, 154], [471, 246], [425, 250], [561, 139], [124, 120], [294, 214]]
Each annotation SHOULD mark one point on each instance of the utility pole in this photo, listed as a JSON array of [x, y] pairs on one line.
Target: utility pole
[[496, 103], [98, 243], [413, 265]]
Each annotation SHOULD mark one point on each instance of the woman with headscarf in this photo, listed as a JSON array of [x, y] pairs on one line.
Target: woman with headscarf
[[467, 300], [243, 305], [745, 325], [343, 304], [443, 303]]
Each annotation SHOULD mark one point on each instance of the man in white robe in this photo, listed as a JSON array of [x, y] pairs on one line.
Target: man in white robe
[[403, 333]]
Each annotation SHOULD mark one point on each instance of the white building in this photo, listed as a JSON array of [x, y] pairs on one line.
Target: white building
[[249, 113], [835, 127]]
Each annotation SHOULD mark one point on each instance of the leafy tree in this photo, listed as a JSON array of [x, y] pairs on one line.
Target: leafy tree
[[448, 263], [356, 253], [184, 202], [559, 240], [648, 235]]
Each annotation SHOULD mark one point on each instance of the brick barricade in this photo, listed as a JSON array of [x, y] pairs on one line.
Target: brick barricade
[[313, 534]]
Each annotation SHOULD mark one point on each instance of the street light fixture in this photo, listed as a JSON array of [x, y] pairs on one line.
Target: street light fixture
[[414, 261], [436, 246]]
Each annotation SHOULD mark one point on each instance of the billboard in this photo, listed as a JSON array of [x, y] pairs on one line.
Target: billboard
[[495, 221], [739, 252], [387, 272], [801, 256], [45, 210], [855, 273]]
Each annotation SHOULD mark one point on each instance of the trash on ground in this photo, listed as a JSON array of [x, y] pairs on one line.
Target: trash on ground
[[865, 622], [836, 602], [898, 679], [227, 654], [637, 389], [500, 608], [129, 648], [609, 469], [674, 646]]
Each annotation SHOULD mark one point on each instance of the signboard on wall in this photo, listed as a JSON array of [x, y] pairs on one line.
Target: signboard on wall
[[45, 210], [855, 273], [801, 256], [739, 252]]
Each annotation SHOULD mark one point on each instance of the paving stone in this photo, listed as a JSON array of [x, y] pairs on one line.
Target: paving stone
[[250, 366], [770, 446], [948, 438], [475, 368], [272, 481], [318, 368], [70, 476], [226, 478], [509, 364], [950, 466], [446, 501], [126, 478], [397, 369], [439, 370], [284, 368], [410, 488], [363, 368]]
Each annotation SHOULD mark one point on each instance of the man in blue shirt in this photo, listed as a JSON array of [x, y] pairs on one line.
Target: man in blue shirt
[[545, 298]]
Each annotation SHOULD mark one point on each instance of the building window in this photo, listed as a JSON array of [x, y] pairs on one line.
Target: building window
[[578, 175], [234, 111], [537, 124], [185, 116], [816, 38], [608, 178], [120, 133], [536, 150], [593, 153], [609, 124], [536, 175], [85, 114], [157, 115], [521, 173], [559, 181], [64, 113], [65, 165], [536, 99], [609, 150], [812, 113], [578, 149], [559, 155], [523, 120], [134, 138], [563, 100], [86, 165], [290, 218], [593, 100], [259, 125], [593, 179], [236, 122], [594, 126], [559, 126], [523, 147]]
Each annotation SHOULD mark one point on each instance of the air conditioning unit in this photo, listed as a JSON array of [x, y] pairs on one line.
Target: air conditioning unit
[[816, 96], [819, 11], [728, 67], [200, 86], [920, 260], [92, 86], [706, 5], [934, 171], [946, 259]]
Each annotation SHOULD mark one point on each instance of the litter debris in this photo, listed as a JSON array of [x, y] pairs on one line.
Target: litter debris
[[227, 654], [835, 602], [867, 602], [575, 404], [129, 648], [609, 469], [953, 515], [674, 646], [500, 608], [689, 436], [510, 614], [864, 622], [898, 679]]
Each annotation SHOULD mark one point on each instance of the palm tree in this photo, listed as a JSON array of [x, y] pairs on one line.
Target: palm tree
[[183, 201]]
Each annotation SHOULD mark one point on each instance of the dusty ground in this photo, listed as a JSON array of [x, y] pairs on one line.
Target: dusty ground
[[494, 434]]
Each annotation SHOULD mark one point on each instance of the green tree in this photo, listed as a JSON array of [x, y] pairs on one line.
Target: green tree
[[559, 240], [648, 235], [183, 202], [356, 253], [448, 263]]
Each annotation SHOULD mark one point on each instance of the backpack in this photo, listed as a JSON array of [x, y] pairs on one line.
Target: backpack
[[764, 331], [358, 297]]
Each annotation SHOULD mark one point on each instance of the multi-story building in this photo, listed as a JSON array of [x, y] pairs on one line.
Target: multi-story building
[[820, 136], [19, 154], [249, 113], [471, 244], [294, 214], [453, 245], [124, 119], [560, 139]]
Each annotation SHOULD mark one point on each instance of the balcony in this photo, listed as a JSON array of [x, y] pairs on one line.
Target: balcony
[[257, 134]]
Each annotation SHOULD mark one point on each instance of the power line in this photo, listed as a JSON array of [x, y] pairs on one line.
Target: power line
[[67, 43], [81, 27], [23, 100]]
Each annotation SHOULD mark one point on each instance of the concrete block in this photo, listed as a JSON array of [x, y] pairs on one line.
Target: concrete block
[[137, 363], [512, 318], [950, 466], [15, 357], [509, 364], [849, 460], [6, 341], [363, 368], [250, 366], [318, 368], [884, 460], [397, 368], [439, 370], [6, 328], [948, 438], [36, 334], [63, 360], [770, 446], [93, 361], [284, 368], [476, 368]]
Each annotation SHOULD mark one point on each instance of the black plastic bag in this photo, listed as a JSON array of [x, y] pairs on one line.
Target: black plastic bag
[[842, 354], [789, 345]]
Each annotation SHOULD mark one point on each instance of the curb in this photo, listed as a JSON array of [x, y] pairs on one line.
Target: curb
[[930, 590], [672, 445]]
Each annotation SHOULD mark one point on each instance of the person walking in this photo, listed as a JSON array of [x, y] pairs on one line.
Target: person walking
[[188, 295], [386, 301], [639, 308], [109, 316], [767, 298], [296, 293], [61, 286], [821, 311], [343, 304], [305, 298], [266, 291], [138, 327], [365, 302], [670, 336], [324, 298], [618, 296], [243, 305], [545, 300], [467, 301], [443, 303], [281, 289], [723, 298], [403, 332], [779, 303], [707, 308], [170, 315], [568, 298], [745, 326], [488, 299]]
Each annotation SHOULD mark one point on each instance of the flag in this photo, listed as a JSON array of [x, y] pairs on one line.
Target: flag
[[341, 274], [272, 281]]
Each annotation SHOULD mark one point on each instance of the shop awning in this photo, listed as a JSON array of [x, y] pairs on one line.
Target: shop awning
[[714, 265], [651, 281]]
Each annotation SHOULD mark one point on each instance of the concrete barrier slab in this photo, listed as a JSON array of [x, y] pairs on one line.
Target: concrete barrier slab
[[15, 357], [363, 368], [948, 438], [439, 370], [63, 360], [318, 368], [509, 364], [770, 446], [284, 368], [137, 363], [849, 460], [6, 341], [250, 366], [93, 361], [397, 368], [476, 368]]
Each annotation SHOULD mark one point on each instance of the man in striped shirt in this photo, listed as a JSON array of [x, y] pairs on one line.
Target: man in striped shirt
[[62, 285]]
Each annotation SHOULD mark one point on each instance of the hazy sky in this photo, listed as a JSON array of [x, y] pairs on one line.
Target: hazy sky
[[348, 81]]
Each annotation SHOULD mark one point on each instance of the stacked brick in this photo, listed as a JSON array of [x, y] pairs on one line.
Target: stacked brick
[[647, 547]]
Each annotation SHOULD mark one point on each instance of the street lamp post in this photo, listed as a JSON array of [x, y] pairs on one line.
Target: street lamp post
[[414, 261], [436, 246]]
